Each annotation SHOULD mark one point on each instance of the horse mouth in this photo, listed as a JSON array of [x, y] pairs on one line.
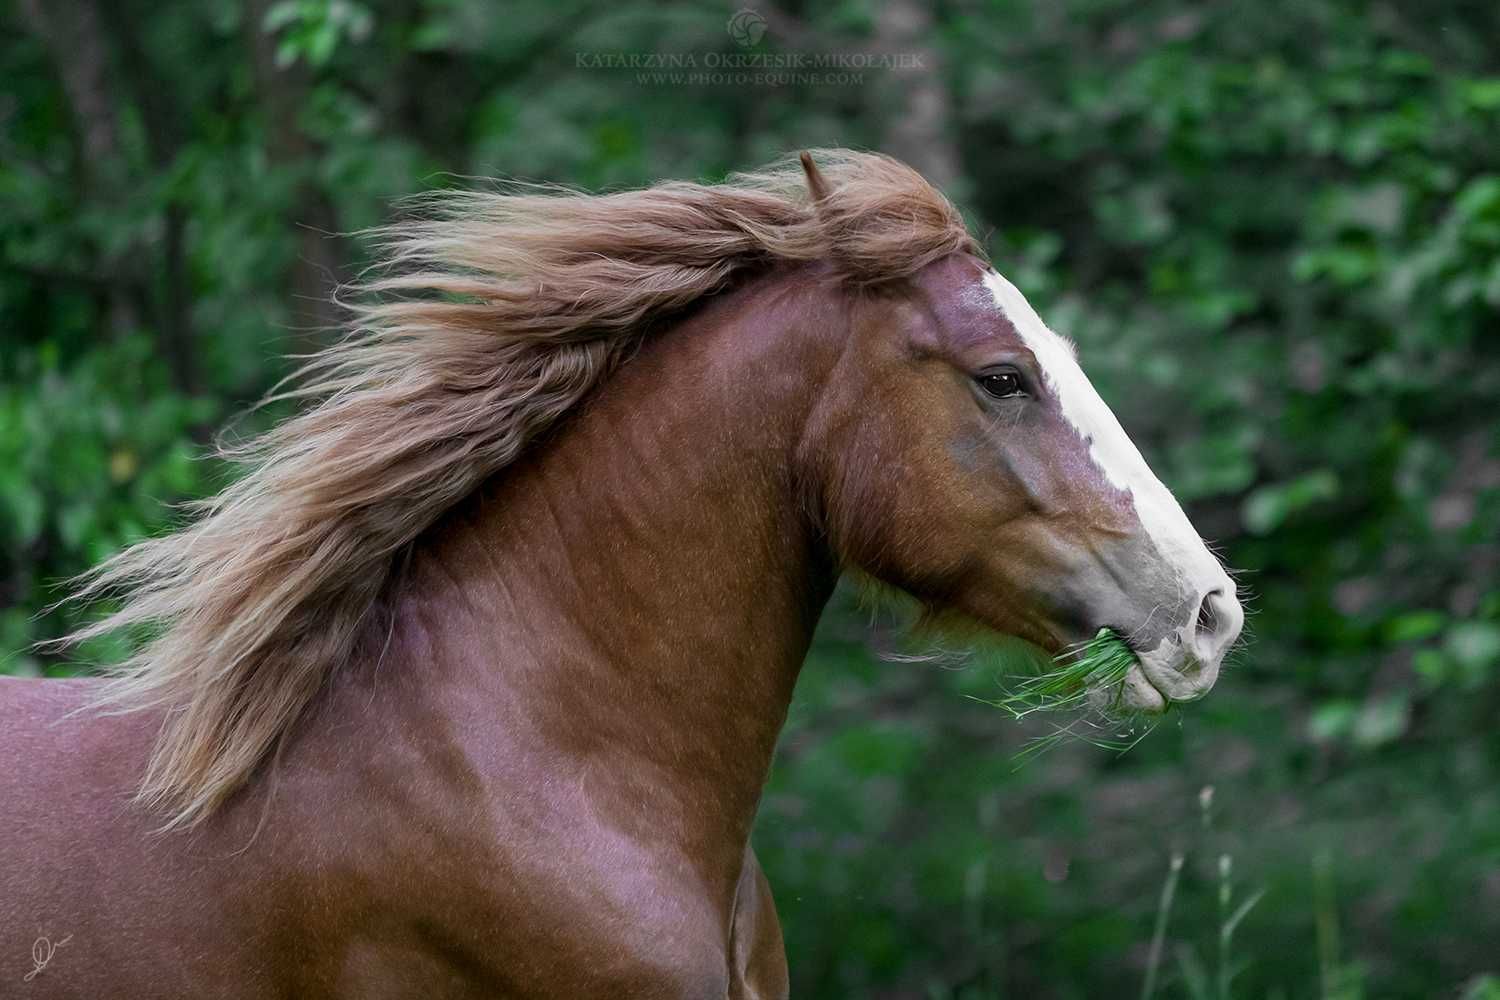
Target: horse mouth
[[1138, 694], [1170, 673]]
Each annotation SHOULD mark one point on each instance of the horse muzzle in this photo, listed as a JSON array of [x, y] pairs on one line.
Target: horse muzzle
[[1184, 664]]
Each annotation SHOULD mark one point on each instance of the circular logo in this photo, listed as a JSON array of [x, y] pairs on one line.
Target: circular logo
[[747, 27]]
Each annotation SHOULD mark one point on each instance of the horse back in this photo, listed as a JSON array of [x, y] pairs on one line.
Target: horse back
[[92, 901]]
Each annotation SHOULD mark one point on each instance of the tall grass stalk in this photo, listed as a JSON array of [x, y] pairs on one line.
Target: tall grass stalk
[[1229, 920], [1338, 981], [1159, 932], [1196, 978]]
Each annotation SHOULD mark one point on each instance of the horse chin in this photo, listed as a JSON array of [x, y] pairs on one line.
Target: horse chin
[[1138, 694]]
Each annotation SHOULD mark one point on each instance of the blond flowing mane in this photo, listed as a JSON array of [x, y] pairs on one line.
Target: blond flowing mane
[[492, 316]]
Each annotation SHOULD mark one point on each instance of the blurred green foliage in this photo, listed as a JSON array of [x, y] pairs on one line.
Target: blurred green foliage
[[1274, 230]]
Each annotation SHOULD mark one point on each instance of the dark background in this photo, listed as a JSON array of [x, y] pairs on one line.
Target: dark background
[[1271, 227]]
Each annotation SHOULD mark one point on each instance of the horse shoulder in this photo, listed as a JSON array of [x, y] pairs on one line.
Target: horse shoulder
[[454, 864]]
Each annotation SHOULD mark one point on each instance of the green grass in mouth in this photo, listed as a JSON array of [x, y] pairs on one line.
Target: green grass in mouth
[[1068, 685]]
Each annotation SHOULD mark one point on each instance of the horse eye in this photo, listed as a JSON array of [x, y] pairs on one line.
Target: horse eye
[[1000, 384]]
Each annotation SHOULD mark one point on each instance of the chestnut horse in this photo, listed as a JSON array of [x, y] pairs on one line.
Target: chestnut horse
[[469, 686]]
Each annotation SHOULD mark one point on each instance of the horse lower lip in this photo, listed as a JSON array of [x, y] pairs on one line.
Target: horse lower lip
[[1177, 675], [1142, 695]]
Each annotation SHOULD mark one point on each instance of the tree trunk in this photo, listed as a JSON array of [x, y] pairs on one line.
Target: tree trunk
[[74, 36], [321, 253], [175, 339], [920, 131]]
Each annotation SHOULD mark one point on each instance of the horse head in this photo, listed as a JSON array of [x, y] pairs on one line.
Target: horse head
[[963, 457]]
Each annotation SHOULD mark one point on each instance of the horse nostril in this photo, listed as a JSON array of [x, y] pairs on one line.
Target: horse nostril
[[1218, 623], [1207, 617]]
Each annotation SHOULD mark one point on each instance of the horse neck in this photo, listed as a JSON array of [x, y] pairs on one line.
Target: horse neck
[[636, 599]]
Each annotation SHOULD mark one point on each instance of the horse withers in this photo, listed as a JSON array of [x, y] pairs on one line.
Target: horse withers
[[469, 685]]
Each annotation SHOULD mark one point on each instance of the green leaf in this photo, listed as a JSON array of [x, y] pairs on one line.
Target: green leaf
[[1414, 626], [1382, 720], [281, 14], [1268, 507], [1474, 646], [1331, 721], [1483, 94]]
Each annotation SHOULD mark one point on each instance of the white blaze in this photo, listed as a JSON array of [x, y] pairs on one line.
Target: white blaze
[[1109, 446]]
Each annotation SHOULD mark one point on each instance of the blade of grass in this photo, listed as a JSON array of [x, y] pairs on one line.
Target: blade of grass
[[1159, 933], [1100, 664]]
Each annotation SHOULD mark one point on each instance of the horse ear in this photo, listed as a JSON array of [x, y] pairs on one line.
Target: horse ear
[[816, 185], [819, 188]]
